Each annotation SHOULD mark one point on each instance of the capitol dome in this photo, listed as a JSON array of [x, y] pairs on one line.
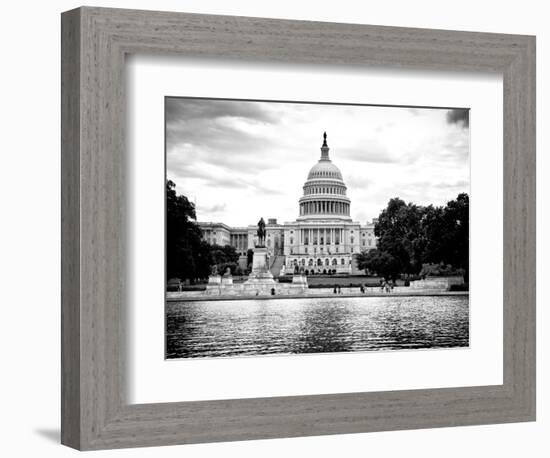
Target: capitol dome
[[325, 169], [324, 191]]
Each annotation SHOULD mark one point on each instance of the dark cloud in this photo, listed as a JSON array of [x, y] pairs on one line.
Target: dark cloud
[[218, 178], [459, 117], [213, 137], [195, 162], [218, 132], [184, 109]]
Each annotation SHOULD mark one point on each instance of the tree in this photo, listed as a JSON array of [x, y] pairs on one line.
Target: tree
[[224, 257], [187, 255], [399, 232], [457, 217], [434, 235], [412, 235], [203, 259], [249, 257], [380, 262]]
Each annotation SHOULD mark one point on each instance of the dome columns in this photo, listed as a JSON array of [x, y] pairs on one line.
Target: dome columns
[[324, 207]]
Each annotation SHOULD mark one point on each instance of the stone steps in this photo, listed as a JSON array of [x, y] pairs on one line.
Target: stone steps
[[276, 263]]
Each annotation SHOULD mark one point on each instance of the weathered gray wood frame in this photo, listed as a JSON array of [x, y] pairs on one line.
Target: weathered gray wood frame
[[95, 413]]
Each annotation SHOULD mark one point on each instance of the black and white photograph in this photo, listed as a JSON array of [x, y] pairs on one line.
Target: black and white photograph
[[275, 229], [299, 228]]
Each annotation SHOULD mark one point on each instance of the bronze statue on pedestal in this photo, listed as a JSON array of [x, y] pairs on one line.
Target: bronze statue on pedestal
[[261, 233]]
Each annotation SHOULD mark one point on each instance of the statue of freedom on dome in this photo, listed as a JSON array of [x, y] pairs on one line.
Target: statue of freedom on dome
[[261, 232]]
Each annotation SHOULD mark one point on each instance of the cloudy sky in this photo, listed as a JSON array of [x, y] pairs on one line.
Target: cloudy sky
[[240, 160]]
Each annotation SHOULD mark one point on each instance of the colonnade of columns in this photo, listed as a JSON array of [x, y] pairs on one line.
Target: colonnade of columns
[[321, 236], [240, 242], [325, 207]]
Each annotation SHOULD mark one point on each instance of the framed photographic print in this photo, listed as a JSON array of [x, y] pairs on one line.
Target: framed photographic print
[[280, 228], [321, 262]]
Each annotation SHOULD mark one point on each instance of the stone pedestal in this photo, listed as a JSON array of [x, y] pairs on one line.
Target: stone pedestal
[[260, 279], [259, 263], [214, 283], [227, 280], [299, 279], [214, 280], [437, 283]]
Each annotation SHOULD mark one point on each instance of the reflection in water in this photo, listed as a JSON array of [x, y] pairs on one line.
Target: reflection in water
[[279, 326]]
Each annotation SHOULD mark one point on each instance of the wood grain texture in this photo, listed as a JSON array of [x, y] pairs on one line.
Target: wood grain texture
[[96, 413], [70, 229]]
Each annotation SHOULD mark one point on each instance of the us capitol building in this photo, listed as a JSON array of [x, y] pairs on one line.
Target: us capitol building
[[323, 239]]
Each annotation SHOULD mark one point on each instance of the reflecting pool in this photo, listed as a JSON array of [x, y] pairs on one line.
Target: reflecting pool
[[314, 325]]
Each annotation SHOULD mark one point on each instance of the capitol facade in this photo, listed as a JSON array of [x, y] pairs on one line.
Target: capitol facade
[[323, 239]]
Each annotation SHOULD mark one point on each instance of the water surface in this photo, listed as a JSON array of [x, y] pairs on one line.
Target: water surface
[[314, 325]]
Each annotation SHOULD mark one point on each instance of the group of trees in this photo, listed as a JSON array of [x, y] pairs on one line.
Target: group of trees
[[188, 256], [411, 236]]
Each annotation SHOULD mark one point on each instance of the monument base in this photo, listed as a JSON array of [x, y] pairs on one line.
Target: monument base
[[260, 280], [259, 262], [227, 280], [214, 280], [214, 284]]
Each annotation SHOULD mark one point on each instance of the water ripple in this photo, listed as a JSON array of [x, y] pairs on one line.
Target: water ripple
[[277, 326]]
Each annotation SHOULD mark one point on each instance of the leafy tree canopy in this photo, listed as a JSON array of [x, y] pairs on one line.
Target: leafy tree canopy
[[381, 262], [187, 255], [410, 235]]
